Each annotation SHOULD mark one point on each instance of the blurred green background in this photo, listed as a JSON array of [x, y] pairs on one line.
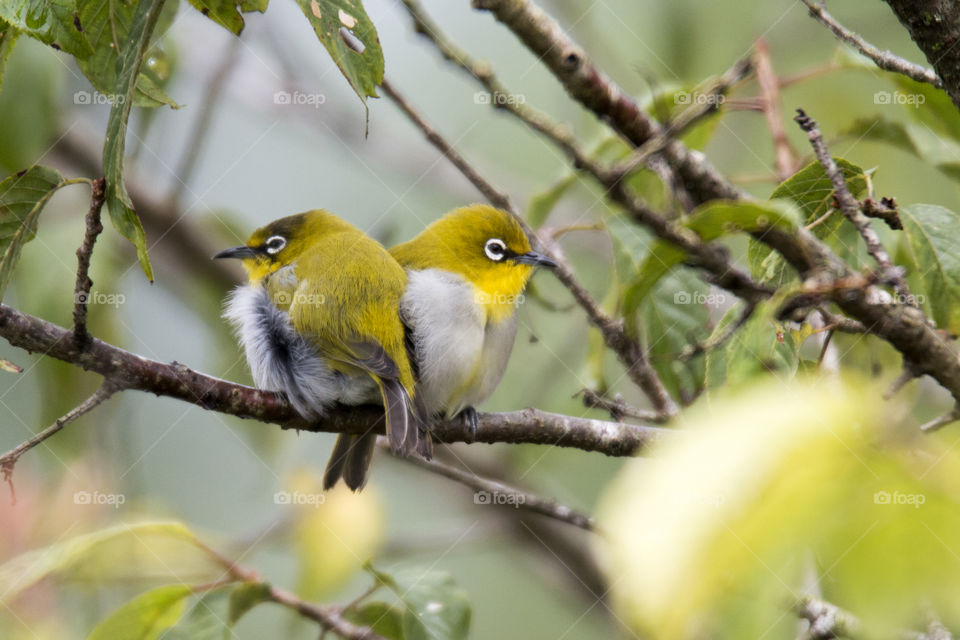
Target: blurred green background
[[259, 160]]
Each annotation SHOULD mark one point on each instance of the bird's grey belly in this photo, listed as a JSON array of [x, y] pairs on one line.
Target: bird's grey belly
[[461, 358], [281, 360]]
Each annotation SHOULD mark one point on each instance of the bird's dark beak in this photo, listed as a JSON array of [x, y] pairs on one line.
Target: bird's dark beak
[[237, 252], [535, 259]]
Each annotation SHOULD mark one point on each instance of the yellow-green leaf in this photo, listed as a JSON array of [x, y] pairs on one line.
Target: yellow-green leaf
[[53, 22], [933, 254], [146, 616], [229, 13]]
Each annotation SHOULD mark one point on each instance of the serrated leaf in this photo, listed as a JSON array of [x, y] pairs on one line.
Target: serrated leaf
[[146, 616], [435, 608], [22, 197], [117, 552], [107, 26], [53, 22], [765, 485], [244, 597], [118, 201], [811, 190], [206, 619], [761, 346], [229, 13], [363, 70], [710, 221], [933, 255], [382, 618]]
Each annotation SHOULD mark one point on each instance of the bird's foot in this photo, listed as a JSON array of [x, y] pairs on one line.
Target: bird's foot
[[470, 422]]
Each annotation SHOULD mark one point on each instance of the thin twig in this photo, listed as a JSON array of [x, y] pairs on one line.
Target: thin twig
[[81, 291], [9, 459], [938, 423], [492, 492], [851, 207], [627, 349], [885, 210], [616, 406], [784, 159], [826, 620], [886, 60], [908, 374], [692, 350]]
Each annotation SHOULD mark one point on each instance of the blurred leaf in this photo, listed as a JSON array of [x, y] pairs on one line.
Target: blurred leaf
[[363, 70], [109, 27], [146, 616], [711, 535], [435, 607], [933, 255], [543, 203], [229, 13], [22, 197], [384, 619], [244, 597], [29, 104], [941, 152], [118, 201], [761, 346], [8, 38], [812, 191], [124, 551], [206, 620], [926, 104], [710, 221], [53, 22], [669, 103], [675, 315]]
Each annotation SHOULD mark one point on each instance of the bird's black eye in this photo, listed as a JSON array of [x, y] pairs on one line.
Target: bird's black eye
[[274, 244], [495, 249]]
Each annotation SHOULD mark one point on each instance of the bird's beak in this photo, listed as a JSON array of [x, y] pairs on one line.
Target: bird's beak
[[535, 259], [237, 252]]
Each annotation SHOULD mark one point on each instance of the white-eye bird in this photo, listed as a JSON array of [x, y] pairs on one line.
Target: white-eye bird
[[318, 320], [466, 273]]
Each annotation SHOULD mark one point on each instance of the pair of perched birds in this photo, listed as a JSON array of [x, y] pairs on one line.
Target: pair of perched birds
[[330, 316]]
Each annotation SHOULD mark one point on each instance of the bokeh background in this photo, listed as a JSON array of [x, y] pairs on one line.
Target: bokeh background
[[256, 160]]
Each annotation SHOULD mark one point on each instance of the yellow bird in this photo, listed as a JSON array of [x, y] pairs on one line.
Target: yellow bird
[[318, 320], [466, 275]]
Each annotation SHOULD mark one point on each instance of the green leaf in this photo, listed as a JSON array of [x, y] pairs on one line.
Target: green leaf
[[22, 197], [229, 13], [761, 346], [163, 549], [8, 38], [205, 621], [109, 28], [245, 597], [435, 608], [940, 151], [933, 255], [926, 104], [710, 221], [146, 616], [811, 190], [543, 203], [363, 70], [384, 619], [53, 22], [672, 317], [118, 201]]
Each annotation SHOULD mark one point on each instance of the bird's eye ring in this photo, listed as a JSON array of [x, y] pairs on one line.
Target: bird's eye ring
[[495, 249], [274, 244]]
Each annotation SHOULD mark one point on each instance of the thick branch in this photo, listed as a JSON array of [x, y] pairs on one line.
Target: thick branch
[[126, 370], [886, 60], [935, 26]]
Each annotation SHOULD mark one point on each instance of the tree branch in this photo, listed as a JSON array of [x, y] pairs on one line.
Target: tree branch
[[886, 60], [81, 291], [935, 26], [126, 370]]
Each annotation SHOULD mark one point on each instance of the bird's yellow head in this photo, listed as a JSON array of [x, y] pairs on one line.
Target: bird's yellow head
[[484, 245], [283, 241]]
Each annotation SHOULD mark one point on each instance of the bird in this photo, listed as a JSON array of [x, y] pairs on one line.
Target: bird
[[318, 320], [466, 273]]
